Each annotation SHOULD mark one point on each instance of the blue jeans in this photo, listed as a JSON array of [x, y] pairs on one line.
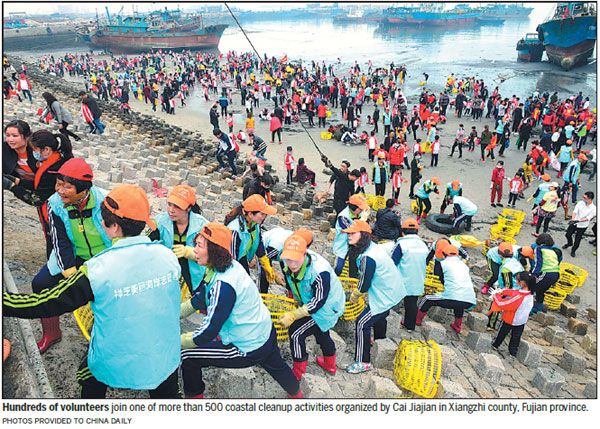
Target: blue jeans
[[99, 125]]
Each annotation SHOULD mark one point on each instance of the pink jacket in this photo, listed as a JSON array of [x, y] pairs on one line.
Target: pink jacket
[[275, 123]]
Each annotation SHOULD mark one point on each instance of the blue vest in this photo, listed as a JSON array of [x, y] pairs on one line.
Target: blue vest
[[387, 288], [467, 206], [572, 172], [196, 222], [245, 236], [135, 340], [512, 265], [413, 263], [327, 316], [275, 238], [340, 242], [565, 153], [422, 193], [377, 173], [457, 281], [495, 256], [58, 208], [543, 188], [249, 324], [451, 191]]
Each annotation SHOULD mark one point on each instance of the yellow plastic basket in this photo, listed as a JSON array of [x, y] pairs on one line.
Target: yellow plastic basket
[[572, 274], [352, 311], [370, 199], [278, 305], [432, 282], [554, 297], [501, 233], [509, 223], [326, 136], [515, 214], [414, 207], [328, 113], [418, 366], [379, 202], [85, 320]]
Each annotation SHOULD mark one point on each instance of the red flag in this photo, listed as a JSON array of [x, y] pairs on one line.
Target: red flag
[[284, 59]]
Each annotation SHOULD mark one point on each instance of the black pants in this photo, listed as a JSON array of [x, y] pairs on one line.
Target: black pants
[[278, 132], [303, 328], [410, 311], [459, 144], [546, 220], [458, 307], [502, 146], [364, 323], [424, 206], [515, 336], [379, 189], [290, 176], [68, 133], [572, 229], [413, 182], [434, 159], [543, 282], [90, 388], [482, 147], [321, 121], [494, 272], [512, 198]]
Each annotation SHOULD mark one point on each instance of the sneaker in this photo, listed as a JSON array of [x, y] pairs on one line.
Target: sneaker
[[493, 205], [358, 367], [222, 169], [499, 204]]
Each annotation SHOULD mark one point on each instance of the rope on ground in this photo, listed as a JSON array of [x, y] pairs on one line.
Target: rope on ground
[[259, 57]]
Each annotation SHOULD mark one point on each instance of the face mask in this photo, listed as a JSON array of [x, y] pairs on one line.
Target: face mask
[[38, 156]]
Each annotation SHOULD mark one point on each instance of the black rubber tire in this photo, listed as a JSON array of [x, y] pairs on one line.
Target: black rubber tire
[[442, 223]]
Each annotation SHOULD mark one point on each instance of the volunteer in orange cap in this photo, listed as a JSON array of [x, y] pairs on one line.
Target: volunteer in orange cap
[[379, 277], [571, 176], [410, 257], [76, 233], [357, 205], [237, 331], [453, 189], [539, 193], [133, 291], [423, 203], [458, 293], [177, 228], [245, 223], [322, 301]]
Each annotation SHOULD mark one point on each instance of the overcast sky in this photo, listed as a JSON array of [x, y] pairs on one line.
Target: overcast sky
[[52, 6]]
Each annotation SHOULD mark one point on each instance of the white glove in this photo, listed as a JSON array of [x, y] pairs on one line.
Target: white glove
[[495, 291]]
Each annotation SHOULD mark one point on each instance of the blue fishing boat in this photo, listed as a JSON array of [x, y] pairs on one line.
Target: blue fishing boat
[[569, 33], [530, 48], [437, 15], [507, 10]]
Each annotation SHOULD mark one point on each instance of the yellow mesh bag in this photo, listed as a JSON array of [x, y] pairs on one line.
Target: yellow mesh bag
[[432, 282], [326, 136], [514, 214], [572, 274], [502, 233], [510, 223], [352, 311], [379, 202], [418, 366], [278, 305]]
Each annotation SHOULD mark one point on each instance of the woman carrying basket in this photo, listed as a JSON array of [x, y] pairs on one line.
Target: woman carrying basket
[[380, 278], [317, 289]]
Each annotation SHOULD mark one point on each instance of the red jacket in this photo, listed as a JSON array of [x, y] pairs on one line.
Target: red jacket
[[396, 155], [498, 175]]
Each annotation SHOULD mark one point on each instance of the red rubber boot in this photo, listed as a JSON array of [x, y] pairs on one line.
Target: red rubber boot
[[298, 395], [484, 289], [327, 363], [420, 316], [51, 333], [200, 396], [457, 325], [299, 369]]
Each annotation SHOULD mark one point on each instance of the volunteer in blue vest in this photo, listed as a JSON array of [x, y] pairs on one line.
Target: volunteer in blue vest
[[237, 331], [321, 301], [133, 290], [377, 276], [507, 276], [571, 176], [355, 208], [245, 223], [380, 174], [274, 240], [565, 156], [76, 234], [458, 293], [545, 267], [453, 189], [464, 210], [177, 228], [436, 248], [423, 203], [410, 255], [539, 193], [494, 261]]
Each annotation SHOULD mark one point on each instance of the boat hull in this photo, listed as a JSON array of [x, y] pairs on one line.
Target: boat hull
[[569, 41], [207, 38], [441, 19]]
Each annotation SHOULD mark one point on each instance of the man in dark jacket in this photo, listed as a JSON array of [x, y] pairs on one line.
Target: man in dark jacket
[[93, 106], [517, 118], [524, 134], [344, 183], [260, 185], [444, 100], [387, 223], [214, 117], [376, 119]]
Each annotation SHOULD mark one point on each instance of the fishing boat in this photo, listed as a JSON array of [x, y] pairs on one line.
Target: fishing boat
[[569, 33], [507, 10], [436, 15], [398, 14], [162, 29], [489, 20], [530, 48]]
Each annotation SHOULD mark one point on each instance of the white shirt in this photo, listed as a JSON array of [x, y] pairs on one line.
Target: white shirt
[[584, 211], [435, 147]]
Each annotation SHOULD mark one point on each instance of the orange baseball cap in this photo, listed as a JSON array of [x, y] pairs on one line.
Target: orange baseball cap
[[294, 248], [358, 226], [450, 250], [440, 245], [582, 157], [306, 234], [132, 203], [256, 203], [76, 168], [182, 196], [527, 251], [381, 155], [546, 177], [218, 234], [435, 180], [505, 249], [359, 201], [455, 185], [410, 223]]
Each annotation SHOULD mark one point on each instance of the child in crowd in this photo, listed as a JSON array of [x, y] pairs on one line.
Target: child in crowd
[[290, 164], [515, 305], [362, 181], [516, 185], [396, 183]]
